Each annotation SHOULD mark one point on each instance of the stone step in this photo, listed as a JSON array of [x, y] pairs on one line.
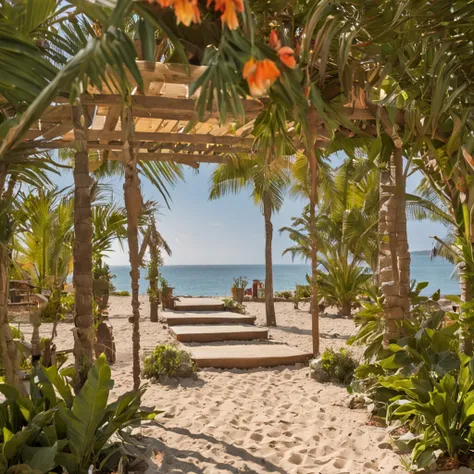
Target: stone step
[[246, 356], [209, 317], [199, 304], [218, 332]]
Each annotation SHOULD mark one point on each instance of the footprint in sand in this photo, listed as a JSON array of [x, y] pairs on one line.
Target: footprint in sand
[[295, 458]]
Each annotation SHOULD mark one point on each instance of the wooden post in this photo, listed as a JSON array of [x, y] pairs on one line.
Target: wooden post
[[133, 204], [314, 248], [82, 253]]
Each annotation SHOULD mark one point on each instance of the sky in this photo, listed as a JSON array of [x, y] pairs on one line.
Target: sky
[[230, 230]]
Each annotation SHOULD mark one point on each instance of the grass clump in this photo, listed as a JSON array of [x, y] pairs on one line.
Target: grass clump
[[284, 294], [120, 293], [168, 360], [336, 366], [233, 306]]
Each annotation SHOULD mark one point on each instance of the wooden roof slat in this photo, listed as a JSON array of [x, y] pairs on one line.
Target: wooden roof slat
[[177, 157]]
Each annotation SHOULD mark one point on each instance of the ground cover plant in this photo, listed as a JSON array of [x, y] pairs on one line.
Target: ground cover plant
[[168, 360]]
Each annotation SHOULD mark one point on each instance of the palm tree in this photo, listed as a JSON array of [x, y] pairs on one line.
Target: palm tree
[[43, 246], [267, 182]]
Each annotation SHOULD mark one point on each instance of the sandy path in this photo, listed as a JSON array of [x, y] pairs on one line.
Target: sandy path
[[259, 421]]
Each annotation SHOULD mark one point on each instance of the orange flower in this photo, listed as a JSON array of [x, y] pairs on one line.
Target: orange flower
[[275, 42], [163, 3], [260, 75], [186, 11], [287, 57], [229, 9]]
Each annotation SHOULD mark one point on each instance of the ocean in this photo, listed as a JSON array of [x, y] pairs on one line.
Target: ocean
[[216, 280]]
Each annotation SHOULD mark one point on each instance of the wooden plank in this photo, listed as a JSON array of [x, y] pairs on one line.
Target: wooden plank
[[111, 121], [247, 356], [178, 109], [95, 135], [175, 157], [58, 130], [218, 332]]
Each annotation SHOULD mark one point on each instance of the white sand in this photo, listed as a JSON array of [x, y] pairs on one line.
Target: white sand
[[275, 420]]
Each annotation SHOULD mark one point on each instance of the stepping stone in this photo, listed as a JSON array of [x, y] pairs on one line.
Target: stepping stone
[[220, 332], [247, 356], [199, 304], [207, 318]]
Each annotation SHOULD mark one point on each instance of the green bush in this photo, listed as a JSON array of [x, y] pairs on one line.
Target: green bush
[[169, 360], [58, 306], [338, 365], [233, 306], [53, 430], [121, 293], [284, 294]]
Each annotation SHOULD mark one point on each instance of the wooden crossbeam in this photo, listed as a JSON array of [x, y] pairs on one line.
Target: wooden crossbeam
[[117, 146], [160, 137], [163, 107], [184, 158]]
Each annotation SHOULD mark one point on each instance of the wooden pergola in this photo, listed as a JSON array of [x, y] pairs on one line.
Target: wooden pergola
[[165, 120]]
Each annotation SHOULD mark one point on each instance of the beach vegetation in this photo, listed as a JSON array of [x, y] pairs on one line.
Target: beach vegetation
[[121, 293], [233, 306], [51, 429], [284, 294], [59, 306], [170, 361], [334, 366]]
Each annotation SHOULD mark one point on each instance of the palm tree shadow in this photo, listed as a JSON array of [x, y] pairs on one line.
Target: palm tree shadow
[[264, 465]]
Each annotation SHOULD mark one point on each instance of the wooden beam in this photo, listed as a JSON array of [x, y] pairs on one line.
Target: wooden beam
[[57, 130], [175, 157], [163, 107], [160, 137], [111, 120]]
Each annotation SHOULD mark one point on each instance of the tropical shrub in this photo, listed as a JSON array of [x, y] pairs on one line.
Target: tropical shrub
[[336, 366], [284, 294], [51, 430], [58, 307], [342, 281], [121, 293], [169, 360], [233, 306]]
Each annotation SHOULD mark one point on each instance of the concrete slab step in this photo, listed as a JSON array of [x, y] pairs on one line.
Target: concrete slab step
[[199, 304], [246, 356], [206, 317], [218, 332]]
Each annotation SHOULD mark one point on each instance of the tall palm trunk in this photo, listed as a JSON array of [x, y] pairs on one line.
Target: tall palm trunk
[[9, 351], [82, 253], [394, 257], [466, 295], [314, 251], [133, 204], [269, 304]]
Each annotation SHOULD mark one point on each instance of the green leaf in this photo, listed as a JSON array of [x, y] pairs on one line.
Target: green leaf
[[87, 411], [42, 459]]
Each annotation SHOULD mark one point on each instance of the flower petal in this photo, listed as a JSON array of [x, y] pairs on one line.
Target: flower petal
[[287, 57], [275, 42]]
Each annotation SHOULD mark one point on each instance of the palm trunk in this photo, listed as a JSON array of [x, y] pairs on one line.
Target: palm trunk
[[269, 303], [82, 271], [394, 257], [314, 253], [466, 295], [133, 204], [9, 351]]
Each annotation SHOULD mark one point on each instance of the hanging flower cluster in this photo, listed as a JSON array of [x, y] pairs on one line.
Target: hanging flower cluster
[[187, 11], [261, 75], [229, 9]]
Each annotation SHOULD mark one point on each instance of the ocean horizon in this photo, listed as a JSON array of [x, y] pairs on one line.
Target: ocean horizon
[[216, 280]]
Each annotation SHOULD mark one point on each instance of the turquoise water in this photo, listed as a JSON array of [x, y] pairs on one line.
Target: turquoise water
[[216, 280]]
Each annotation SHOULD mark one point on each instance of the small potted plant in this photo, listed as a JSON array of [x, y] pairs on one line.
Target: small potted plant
[[238, 289], [166, 294]]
